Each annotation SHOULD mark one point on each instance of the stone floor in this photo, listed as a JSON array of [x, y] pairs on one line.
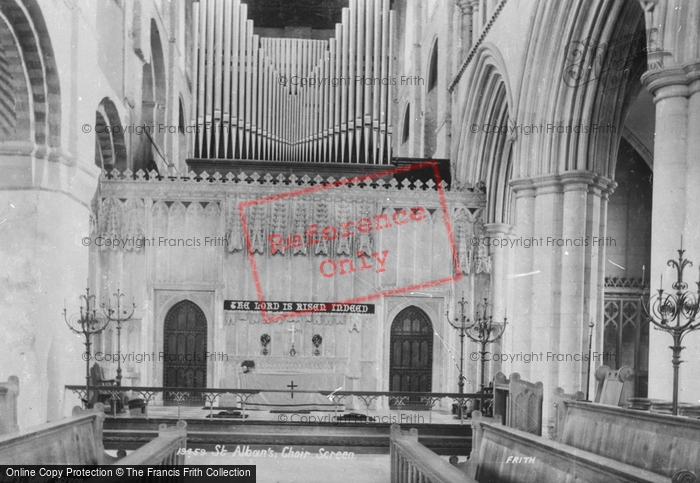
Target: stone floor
[[306, 468]]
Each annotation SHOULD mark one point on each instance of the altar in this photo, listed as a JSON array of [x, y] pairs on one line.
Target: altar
[[291, 399]]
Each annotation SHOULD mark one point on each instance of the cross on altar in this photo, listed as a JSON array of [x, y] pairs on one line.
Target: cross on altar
[[293, 329], [292, 386]]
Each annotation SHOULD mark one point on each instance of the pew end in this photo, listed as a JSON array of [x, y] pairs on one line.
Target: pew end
[[556, 420], [77, 440], [9, 392], [518, 403]]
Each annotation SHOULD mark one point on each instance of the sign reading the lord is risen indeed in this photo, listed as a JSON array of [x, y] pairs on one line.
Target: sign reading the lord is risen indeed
[[322, 307]]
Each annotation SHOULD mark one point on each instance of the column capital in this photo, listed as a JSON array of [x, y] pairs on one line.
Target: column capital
[[673, 82], [465, 5], [497, 230], [560, 182]]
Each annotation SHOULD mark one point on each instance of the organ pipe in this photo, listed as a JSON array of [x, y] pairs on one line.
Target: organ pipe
[[286, 99]]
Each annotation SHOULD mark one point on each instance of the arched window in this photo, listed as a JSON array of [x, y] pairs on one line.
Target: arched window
[[433, 69], [406, 131], [110, 148], [431, 106]]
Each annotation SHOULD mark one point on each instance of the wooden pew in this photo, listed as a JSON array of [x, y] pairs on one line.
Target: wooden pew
[[506, 455], [518, 403], [558, 414], [9, 391], [411, 462], [663, 444], [78, 441]]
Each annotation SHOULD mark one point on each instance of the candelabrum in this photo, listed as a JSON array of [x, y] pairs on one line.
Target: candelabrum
[[87, 323], [461, 323], [120, 316], [674, 313], [484, 331]]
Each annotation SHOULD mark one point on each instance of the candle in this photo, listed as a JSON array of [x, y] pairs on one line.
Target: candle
[[644, 271], [681, 242]]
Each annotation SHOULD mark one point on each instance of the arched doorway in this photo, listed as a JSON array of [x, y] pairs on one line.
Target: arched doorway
[[185, 348], [411, 352]]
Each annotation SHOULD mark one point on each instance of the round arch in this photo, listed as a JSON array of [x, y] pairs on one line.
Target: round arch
[[110, 147], [32, 75]]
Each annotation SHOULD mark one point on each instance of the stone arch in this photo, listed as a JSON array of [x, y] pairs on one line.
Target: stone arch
[[32, 75], [110, 148], [590, 80], [484, 147]]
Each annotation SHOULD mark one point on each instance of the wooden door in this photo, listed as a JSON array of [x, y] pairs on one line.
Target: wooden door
[[411, 353], [185, 348]]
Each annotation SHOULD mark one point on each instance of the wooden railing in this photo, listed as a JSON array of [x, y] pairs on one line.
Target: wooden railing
[[664, 444], [74, 440], [168, 449], [411, 462], [78, 441], [506, 455], [338, 398]]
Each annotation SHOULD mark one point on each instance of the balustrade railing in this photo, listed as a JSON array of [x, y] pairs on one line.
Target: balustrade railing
[[411, 462], [180, 395], [168, 449]]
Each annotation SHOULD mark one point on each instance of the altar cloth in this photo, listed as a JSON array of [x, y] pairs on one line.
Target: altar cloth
[[291, 383]]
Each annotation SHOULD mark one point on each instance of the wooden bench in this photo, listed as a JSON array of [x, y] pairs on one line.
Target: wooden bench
[[507, 455], [78, 441], [663, 444], [411, 462], [9, 391], [518, 403]]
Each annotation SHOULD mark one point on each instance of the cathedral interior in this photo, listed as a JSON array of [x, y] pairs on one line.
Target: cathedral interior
[[386, 208]]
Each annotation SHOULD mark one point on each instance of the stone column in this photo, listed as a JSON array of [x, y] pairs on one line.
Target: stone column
[[572, 244], [518, 337], [466, 27], [44, 202], [497, 233], [676, 94], [476, 21]]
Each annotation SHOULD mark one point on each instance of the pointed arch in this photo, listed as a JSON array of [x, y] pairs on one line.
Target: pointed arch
[[484, 147], [589, 79]]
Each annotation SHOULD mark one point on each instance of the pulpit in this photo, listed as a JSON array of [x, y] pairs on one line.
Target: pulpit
[[289, 390]]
